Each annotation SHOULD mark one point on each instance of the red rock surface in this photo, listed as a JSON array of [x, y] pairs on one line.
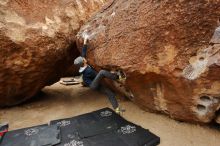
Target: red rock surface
[[37, 43], [163, 48]]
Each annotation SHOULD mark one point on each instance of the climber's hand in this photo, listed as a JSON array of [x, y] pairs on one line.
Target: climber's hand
[[85, 40]]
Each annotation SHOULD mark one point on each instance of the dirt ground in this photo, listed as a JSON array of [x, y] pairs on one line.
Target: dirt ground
[[60, 101]]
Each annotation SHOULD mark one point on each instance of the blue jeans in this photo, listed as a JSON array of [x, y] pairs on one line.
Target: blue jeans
[[96, 85]]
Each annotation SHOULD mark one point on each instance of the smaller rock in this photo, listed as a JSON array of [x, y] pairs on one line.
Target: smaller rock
[[216, 37]]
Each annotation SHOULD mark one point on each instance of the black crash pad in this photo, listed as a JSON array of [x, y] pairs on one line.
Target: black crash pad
[[133, 136], [99, 128], [42, 135], [103, 128]]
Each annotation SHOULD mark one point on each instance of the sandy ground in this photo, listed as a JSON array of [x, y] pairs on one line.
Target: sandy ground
[[61, 102]]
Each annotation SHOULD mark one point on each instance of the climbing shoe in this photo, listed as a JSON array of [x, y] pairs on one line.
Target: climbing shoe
[[119, 111], [121, 76]]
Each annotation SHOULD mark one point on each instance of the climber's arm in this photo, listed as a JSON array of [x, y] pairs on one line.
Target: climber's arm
[[84, 49]]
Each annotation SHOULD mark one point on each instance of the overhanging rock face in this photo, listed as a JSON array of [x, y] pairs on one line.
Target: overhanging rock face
[[165, 50], [37, 43]]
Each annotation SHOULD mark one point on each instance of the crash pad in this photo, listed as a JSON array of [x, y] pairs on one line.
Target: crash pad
[[42, 135], [99, 128], [103, 128]]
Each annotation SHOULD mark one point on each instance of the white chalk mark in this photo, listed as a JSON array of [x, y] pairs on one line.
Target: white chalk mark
[[208, 57], [159, 100], [113, 14], [49, 21], [194, 70], [12, 17], [85, 35], [92, 34], [216, 36]]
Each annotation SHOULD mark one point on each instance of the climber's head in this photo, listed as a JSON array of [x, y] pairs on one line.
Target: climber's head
[[80, 61]]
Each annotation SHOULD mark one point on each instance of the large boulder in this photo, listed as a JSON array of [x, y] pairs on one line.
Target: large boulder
[[166, 52], [37, 43]]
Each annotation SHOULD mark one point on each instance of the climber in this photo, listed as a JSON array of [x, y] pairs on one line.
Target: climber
[[93, 79]]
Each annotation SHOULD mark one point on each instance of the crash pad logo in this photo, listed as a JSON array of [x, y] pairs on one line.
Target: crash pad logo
[[63, 123], [106, 113], [31, 132], [74, 143], [128, 129]]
